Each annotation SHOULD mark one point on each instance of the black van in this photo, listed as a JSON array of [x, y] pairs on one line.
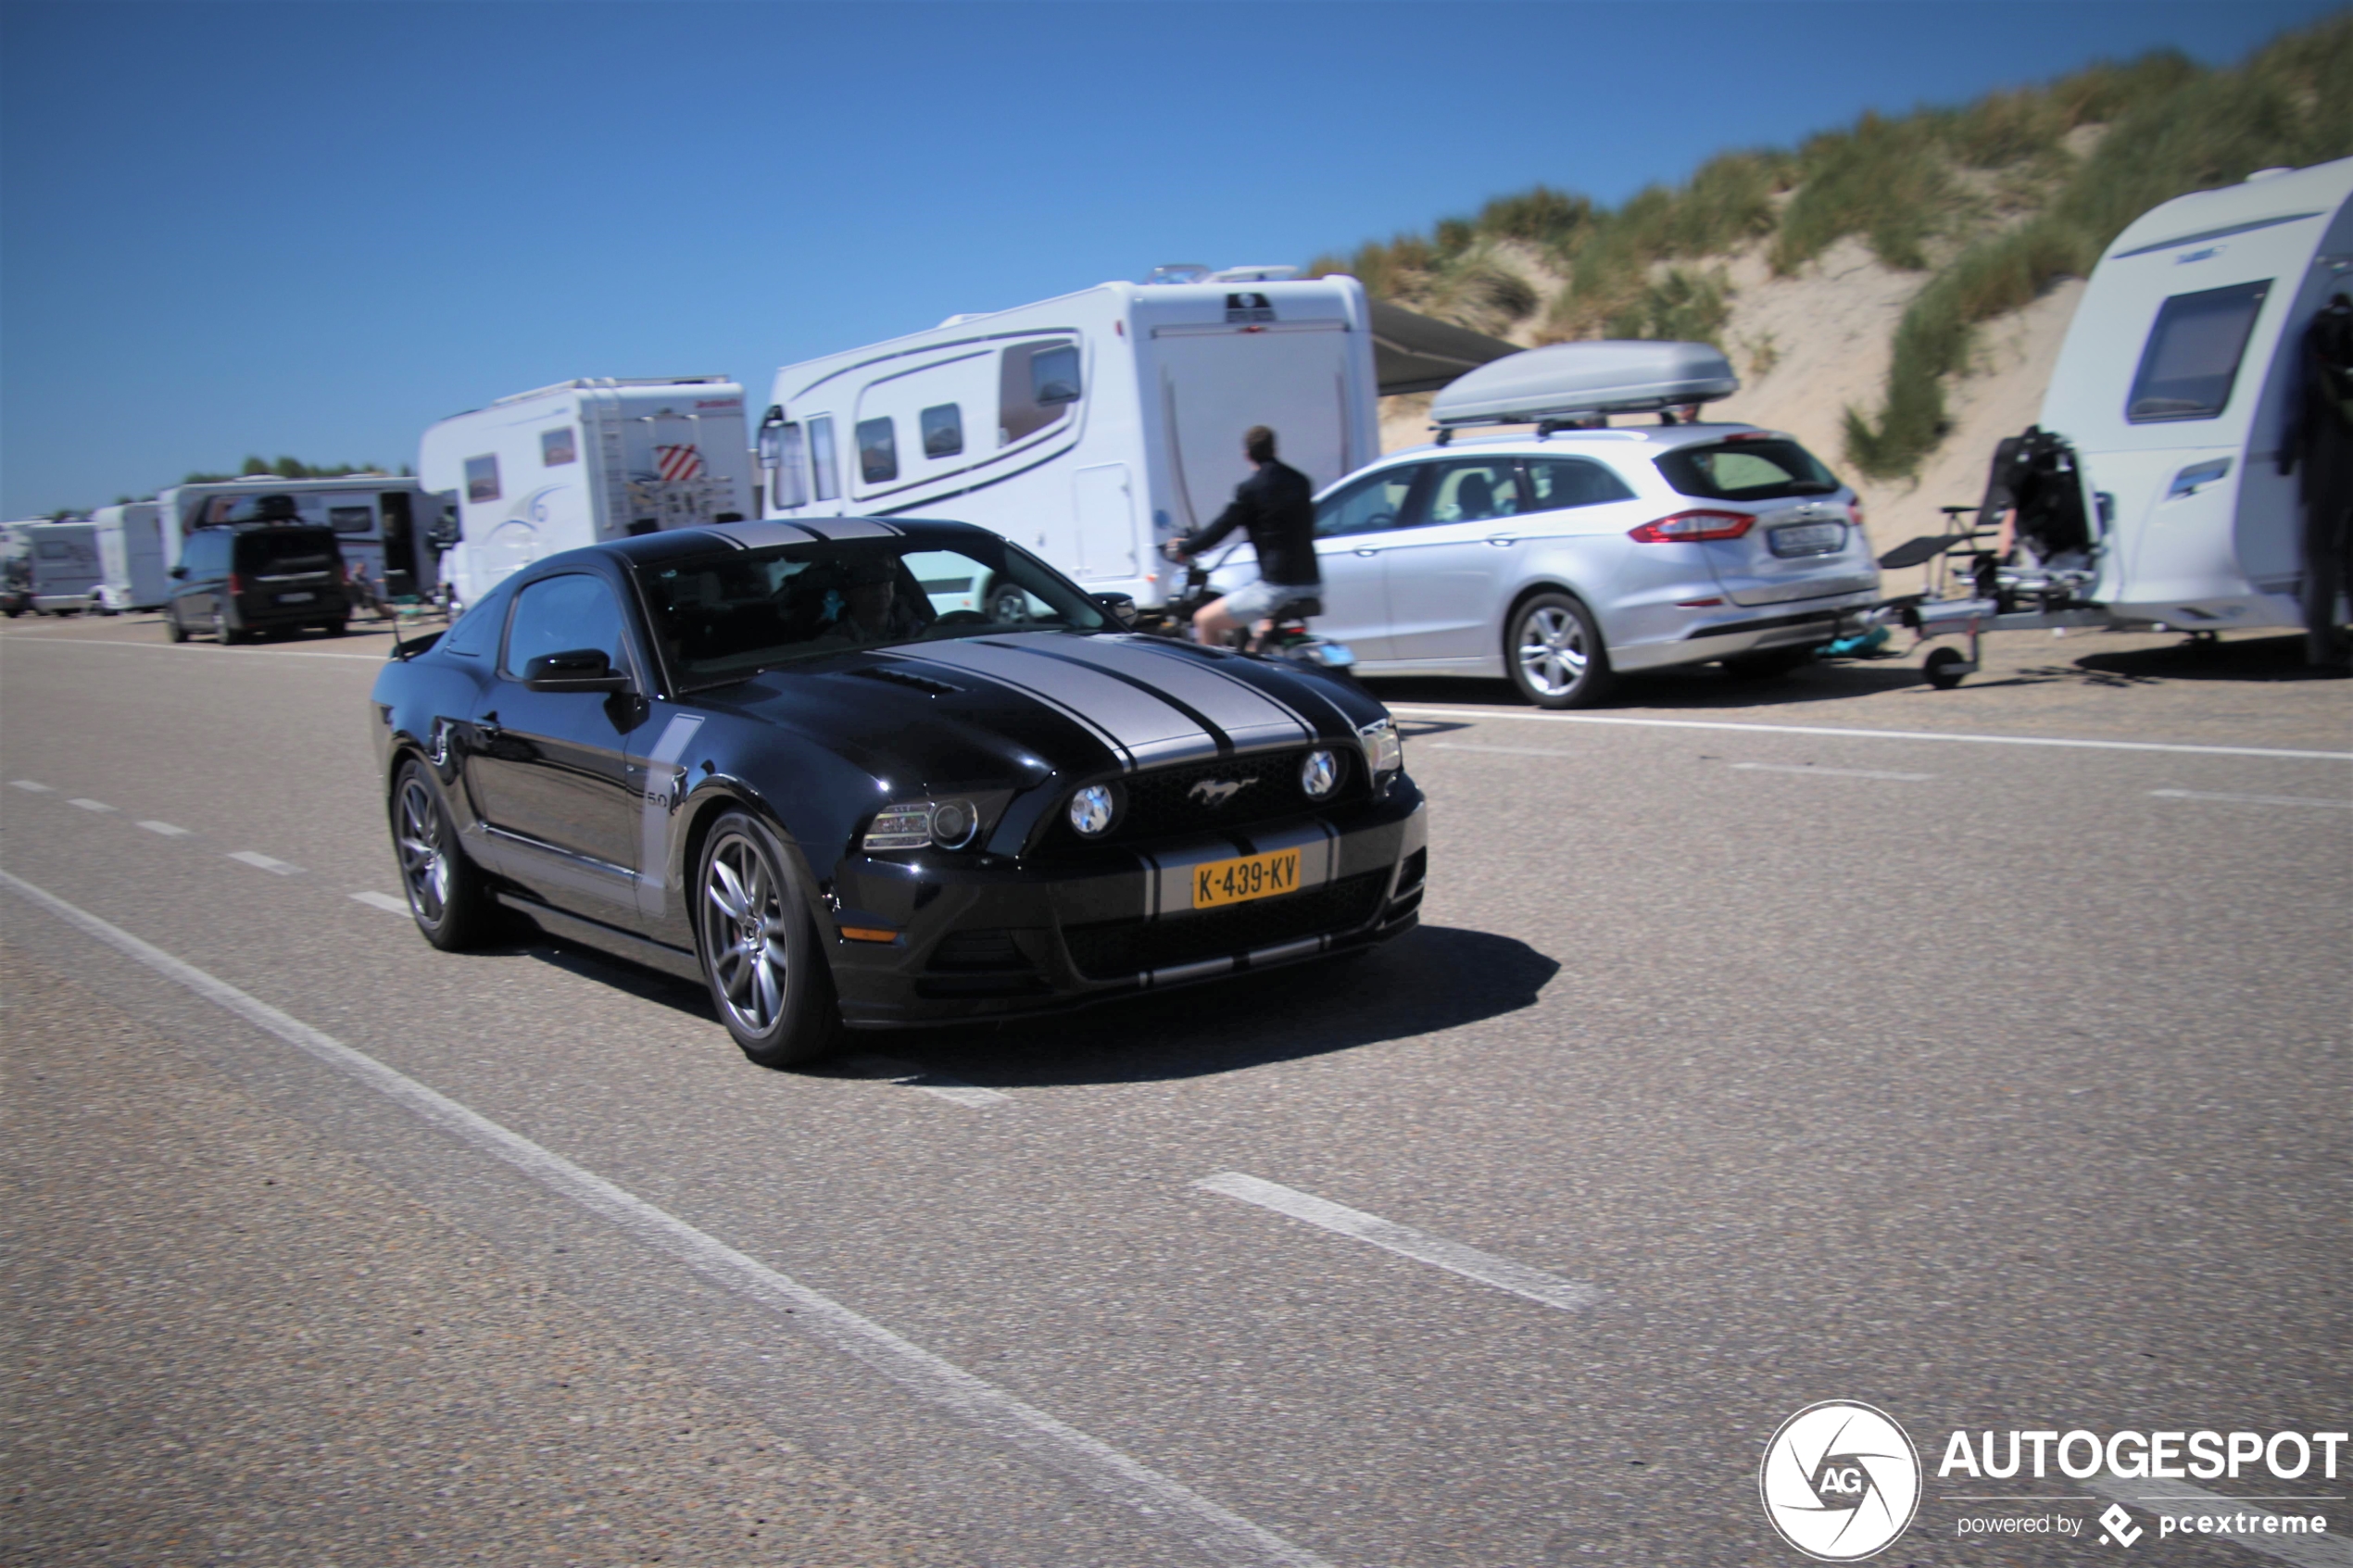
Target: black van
[[236, 581]]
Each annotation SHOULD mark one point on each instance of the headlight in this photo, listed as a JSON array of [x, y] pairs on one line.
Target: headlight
[[1091, 809], [1384, 748], [913, 825], [954, 822], [1319, 775]]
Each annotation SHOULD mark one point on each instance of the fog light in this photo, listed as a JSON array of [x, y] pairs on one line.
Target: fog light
[[1319, 775], [906, 825], [1090, 810], [954, 822]]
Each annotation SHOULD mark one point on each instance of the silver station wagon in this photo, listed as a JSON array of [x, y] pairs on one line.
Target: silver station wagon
[[1562, 557]]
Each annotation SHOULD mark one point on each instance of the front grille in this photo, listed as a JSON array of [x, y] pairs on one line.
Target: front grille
[[1115, 950], [1161, 801]]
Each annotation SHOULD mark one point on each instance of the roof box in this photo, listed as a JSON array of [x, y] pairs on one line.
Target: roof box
[[1567, 382]]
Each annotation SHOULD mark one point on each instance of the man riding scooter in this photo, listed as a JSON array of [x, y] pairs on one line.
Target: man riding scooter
[[1276, 506]]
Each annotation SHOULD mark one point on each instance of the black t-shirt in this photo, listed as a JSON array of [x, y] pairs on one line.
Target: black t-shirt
[[1276, 508]]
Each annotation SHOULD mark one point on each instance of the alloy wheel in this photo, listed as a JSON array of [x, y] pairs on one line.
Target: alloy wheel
[[424, 856], [1552, 656], [744, 933]]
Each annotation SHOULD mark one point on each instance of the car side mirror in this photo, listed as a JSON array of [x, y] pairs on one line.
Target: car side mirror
[[575, 670], [178, 572], [1121, 606]]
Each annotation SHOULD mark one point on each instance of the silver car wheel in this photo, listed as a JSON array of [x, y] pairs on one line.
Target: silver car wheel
[[743, 931], [424, 859], [1553, 655]]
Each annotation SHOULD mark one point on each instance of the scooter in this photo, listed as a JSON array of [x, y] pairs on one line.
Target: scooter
[[1286, 637]]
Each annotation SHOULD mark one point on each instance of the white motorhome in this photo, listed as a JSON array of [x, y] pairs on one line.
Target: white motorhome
[[1088, 428], [66, 575], [379, 519], [584, 460], [132, 574]]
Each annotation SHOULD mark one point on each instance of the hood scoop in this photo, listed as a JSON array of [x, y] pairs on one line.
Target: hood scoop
[[908, 678]]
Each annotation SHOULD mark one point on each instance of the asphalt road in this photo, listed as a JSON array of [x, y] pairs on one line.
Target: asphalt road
[[1979, 1055]]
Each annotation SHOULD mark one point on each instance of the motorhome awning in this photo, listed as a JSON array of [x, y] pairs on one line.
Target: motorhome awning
[[1413, 353]]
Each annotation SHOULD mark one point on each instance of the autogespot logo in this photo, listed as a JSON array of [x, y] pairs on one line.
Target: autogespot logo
[[1840, 1481]]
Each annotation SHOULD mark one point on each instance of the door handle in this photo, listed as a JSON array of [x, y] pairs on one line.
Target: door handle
[[1502, 538], [1363, 552]]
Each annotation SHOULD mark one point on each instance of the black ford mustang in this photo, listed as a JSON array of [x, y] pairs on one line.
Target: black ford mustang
[[844, 775]]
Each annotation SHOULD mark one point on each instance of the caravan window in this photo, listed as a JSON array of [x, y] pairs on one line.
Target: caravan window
[[821, 457], [481, 478], [792, 467], [350, 520], [1036, 385], [2193, 353], [877, 451], [943, 431], [557, 446]]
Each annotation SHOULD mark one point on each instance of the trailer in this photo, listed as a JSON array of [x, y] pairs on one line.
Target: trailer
[[583, 461], [2165, 418], [64, 557], [379, 519], [132, 570], [1091, 428]]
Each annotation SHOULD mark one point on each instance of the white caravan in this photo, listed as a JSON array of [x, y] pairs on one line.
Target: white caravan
[[65, 567], [582, 461], [1087, 429], [132, 574], [379, 519]]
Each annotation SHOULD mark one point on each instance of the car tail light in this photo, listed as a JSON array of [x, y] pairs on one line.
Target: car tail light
[[1855, 513], [236, 583], [1684, 527]]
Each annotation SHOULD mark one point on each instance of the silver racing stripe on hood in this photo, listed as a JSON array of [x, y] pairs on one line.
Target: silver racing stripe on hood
[[1148, 728], [1256, 719]]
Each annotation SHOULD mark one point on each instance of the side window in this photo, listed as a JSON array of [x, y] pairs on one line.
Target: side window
[[204, 553], [1369, 505], [558, 447], [1036, 384], [559, 614], [477, 630], [943, 431], [2193, 353], [481, 478], [792, 467], [821, 457], [1558, 483], [877, 451], [1474, 490]]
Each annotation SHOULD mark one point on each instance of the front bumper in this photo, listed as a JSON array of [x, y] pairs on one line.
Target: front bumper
[[1004, 938]]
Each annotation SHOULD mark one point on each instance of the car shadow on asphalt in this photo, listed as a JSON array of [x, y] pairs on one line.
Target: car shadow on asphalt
[[2252, 660], [1704, 687]]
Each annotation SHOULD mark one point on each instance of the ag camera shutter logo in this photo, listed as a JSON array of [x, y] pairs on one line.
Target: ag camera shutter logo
[[1840, 1481]]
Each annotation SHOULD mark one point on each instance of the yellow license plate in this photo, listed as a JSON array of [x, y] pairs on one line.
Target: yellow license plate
[[1253, 876]]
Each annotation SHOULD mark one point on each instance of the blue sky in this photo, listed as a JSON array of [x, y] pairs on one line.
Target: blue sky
[[314, 229]]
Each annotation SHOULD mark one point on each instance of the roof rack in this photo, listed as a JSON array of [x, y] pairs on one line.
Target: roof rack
[[1565, 385], [591, 383]]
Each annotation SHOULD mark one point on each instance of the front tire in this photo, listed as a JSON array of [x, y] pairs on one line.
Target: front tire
[[225, 631], [771, 985], [448, 896], [1555, 654], [173, 630]]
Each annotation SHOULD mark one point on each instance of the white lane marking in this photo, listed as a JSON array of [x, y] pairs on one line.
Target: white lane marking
[[1829, 772], [1499, 750], [383, 901], [1417, 712], [2176, 1498], [2250, 800], [32, 787], [256, 858], [1552, 1290], [179, 647], [169, 829], [908, 1075], [89, 805], [1223, 1535]]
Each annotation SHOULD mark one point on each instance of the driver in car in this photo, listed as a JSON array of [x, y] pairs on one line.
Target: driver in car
[[867, 608]]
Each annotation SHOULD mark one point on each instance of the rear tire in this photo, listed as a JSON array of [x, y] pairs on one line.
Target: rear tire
[[335, 628], [449, 898], [224, 632], [1555, 654], [758, 943], [173, 630]]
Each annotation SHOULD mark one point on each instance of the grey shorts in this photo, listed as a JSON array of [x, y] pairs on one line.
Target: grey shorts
[[1262, 599]]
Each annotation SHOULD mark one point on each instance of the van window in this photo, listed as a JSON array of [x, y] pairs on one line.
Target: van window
[[557, 447], [1561, 482], [1036, 384], [285, 551], [559, 614], [792, 467], [206, 554], [943, 431], [877, 451], [2192, 353], [481, 478], [821, 457], [350, 520]]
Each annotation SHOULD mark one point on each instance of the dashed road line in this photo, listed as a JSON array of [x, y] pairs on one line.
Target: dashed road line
[[1409, 710], [2257, 1529], [1497, 751], [1829, 772], [32, 787], [169, 829], [2249, 799], [89, 805], [1161, 1501], [1549, 1289], [908, 1075], [256, 858], [185, 649], [383, 901]]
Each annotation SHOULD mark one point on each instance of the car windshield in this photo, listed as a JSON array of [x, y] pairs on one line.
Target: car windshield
[[731, 614], [1746, 468]]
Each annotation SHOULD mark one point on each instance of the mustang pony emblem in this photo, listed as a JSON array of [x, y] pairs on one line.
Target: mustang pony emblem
[[1214, 793]]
